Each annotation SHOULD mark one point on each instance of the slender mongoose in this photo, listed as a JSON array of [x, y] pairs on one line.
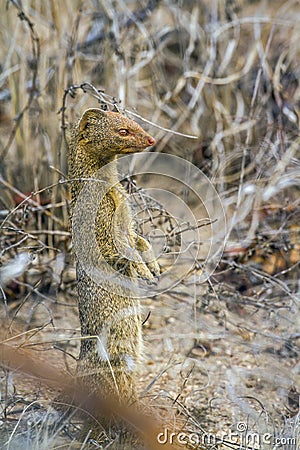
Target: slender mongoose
[[109, 313]]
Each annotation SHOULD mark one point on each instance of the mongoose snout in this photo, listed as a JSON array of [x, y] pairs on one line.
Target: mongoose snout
[[151, 141]]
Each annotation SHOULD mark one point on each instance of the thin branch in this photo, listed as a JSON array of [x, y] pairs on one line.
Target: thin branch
[[33, 90], [106, 100]]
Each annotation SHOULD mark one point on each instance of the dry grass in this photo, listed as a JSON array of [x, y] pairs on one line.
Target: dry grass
[[225, 351]]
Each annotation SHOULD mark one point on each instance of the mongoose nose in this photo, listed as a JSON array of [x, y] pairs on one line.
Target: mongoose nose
[[151, 140]]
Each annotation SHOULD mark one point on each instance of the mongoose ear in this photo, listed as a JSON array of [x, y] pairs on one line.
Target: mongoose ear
[[89, 114]]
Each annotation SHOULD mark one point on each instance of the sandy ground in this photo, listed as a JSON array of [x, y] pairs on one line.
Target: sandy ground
[[220, 368]]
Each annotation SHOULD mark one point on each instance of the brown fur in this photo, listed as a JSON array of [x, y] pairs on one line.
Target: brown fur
[[108, 310]]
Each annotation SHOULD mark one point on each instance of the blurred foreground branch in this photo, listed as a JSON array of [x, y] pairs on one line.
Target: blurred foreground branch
[[95, 405]]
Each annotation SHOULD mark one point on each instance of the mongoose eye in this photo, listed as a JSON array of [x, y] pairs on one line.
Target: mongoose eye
[[123, 132]]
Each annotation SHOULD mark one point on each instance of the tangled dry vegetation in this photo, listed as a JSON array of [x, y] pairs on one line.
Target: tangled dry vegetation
[[218, 354]]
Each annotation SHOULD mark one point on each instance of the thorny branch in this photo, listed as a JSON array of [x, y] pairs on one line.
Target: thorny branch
[[107, 101]]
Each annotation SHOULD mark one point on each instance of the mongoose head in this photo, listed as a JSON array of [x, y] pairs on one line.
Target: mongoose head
[[109, 133]]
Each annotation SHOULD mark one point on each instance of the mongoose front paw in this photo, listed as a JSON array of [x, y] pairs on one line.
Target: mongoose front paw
[[142, 271], [147, 255], [154, 268]]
